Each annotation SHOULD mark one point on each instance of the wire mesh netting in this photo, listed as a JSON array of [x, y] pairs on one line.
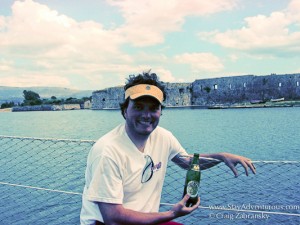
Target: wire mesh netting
[[41, 181]]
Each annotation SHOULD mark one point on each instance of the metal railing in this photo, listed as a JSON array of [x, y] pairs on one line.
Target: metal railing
[[41, 181]]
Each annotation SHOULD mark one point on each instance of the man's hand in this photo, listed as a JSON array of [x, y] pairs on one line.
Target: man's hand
[[180, 209], [232, 160]]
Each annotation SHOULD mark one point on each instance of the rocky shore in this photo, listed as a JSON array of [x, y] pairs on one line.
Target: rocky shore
[[268, 104]]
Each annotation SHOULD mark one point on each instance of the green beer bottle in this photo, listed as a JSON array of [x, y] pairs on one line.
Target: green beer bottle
[[192, 181]]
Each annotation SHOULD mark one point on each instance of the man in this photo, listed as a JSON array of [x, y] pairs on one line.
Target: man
[[126, 167]]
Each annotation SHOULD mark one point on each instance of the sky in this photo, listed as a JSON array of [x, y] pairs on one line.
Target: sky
[[96, 44]]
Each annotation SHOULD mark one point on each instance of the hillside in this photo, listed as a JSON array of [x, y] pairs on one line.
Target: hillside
[[15, 94]]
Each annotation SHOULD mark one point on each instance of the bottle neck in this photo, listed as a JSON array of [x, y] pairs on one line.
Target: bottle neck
[[195, 159], [195, 163]]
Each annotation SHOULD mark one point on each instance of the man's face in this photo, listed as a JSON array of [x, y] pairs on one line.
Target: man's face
[[142, 115]]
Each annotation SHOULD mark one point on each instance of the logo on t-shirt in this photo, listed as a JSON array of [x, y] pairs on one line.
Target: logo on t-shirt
[[156, 167]]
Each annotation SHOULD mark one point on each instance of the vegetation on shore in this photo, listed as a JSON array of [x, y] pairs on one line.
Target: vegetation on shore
[[32, 98]]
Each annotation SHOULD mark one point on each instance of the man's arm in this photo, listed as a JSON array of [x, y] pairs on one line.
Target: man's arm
[[210, 160], [115, 214], [184, 161]]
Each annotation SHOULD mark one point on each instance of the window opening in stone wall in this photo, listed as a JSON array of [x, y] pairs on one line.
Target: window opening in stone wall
[[215, 86], [207, 89], [297, 83], [244, 85], [265, 81], [230, 86], [279, 85]]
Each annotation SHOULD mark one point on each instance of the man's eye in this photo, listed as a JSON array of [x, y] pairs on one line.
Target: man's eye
[[154, 108], [138, 107]]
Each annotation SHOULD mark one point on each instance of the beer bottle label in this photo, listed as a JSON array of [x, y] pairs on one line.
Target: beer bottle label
[[192, 188], [195, 167]]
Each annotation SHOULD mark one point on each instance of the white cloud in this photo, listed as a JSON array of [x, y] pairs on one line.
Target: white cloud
[[233, 57], [31, 80], [5, 65], [293, 11], [146, 22], [41, 46], [165, 75], [201, 62], [263, 34], [37, 38]]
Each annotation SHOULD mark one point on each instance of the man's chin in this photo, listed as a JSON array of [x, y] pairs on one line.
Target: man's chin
[[146, 131]]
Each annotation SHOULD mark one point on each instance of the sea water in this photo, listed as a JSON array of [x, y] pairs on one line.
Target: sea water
[[261, 134], [269, 134]]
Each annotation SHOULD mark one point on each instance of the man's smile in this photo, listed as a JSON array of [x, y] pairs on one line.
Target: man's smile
[[145, 122]]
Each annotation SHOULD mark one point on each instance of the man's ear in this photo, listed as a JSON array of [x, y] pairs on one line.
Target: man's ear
[[125, 113]]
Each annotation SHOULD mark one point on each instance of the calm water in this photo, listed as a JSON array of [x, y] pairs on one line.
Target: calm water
[[260, 134]]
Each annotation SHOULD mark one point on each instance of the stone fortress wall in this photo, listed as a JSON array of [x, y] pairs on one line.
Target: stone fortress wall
[[108, 98], [214, 91]]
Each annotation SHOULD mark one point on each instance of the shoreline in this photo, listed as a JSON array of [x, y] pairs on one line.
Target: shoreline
[[249, 105], [6, 110], [269, 104]]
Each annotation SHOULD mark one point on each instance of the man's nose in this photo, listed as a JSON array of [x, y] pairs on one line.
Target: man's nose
[[146, 113]]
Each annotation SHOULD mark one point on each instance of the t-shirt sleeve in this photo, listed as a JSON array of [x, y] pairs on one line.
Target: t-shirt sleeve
[[106, 181]]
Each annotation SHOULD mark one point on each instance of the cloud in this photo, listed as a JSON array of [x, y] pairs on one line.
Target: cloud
[[201, 62], [165, 75], [31, 80], [293, 11], [36, 38], [147, 22], [270, 35], [5, 65]]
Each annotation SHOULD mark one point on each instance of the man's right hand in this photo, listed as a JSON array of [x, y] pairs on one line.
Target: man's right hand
[[180, 208]]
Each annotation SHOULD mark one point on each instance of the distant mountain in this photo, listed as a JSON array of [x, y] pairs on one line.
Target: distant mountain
[[15, 94]]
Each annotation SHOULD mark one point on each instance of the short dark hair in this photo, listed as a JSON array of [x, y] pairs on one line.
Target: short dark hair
[[144, 78]]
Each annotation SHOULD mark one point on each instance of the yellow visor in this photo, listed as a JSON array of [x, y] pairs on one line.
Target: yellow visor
[[144, 90]]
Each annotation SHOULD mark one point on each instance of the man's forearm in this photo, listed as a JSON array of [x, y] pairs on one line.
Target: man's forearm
[[209, 160], [206, 160], [118, 215], [114, 214]]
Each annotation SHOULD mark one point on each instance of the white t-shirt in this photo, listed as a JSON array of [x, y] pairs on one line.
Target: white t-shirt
[[114, 172]]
